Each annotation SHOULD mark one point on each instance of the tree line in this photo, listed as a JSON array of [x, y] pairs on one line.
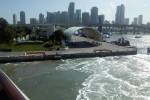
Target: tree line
[[9, 32]]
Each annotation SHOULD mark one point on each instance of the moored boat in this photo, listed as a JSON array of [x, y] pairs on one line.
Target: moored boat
[[138, 36]]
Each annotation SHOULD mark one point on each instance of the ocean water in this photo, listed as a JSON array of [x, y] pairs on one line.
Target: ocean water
[[108, 78]]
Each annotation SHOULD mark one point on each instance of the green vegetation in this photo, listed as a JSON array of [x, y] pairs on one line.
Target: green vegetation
[[25, 47], [8, 33]]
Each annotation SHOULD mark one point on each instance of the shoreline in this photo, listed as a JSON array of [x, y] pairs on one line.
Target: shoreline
[[103, 50]]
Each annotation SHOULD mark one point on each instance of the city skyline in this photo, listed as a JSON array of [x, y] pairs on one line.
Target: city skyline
[[108, 8]]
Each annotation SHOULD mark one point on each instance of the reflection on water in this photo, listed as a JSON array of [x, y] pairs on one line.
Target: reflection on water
[[109, 78]]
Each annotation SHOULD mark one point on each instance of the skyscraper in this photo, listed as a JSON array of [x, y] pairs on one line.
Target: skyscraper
[[126, 21], [135, 22], [41, 18], [78, 16], [22, 17], [71, 12], [14, 19], [33, 21], [64, 17], [120, 14], [94, 15], [140, 20], [53, 17], [85, 18], [101, 19]]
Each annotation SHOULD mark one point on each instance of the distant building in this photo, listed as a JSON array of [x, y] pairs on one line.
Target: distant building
[[85, 18], [120, 14], [94, 15], [78, 16], [41, 18], [135, 21], [14, 19], [49, 18], [148, 23], [22, 17], [53, 18], [71, 12], [113, 22], [106, 22], [140, 22], [33, 21], [101, 19], [64, 17], [126, 22]]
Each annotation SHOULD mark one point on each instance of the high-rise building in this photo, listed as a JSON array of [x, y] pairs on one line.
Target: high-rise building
[[94, 15], [22, 17], [33, 21], [101, 19], [140, 22], [120, 14], [85, 18], [135, 21], [126, 21], [71, 12], [41, 18], [78, 16], [49, 18], [64, 17], [14, 19], [53, 18]]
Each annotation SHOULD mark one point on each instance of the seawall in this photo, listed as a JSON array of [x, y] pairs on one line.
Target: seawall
[[56, 56]]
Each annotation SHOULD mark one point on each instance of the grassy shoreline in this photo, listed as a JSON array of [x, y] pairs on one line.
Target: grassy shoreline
[[24, 47]]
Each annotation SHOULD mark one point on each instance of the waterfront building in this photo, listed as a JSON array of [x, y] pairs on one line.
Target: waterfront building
[[120, 14], [78, 16], [126, 22], [101, 19], [94, 15], [33, 21], [140, 21], [22, 17], [71, 12], [85, 18], [64, 17], [14, 19], [41, 18]]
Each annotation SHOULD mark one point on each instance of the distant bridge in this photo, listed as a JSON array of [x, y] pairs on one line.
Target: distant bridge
[[117, 28]]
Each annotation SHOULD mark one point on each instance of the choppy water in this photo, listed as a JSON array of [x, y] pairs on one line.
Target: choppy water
[[109, 78]]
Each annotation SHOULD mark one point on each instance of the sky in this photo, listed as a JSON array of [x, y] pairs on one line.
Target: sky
[[32, 8]]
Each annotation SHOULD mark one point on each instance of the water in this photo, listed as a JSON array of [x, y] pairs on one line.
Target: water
[[109, 78]]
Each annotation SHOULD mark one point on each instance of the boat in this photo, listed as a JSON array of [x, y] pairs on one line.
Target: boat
[[121, 42], [138, 36], [8, 89], [106, 36]]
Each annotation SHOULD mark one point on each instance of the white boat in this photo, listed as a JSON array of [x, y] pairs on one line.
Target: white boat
[[138, 36], [106, 36]]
